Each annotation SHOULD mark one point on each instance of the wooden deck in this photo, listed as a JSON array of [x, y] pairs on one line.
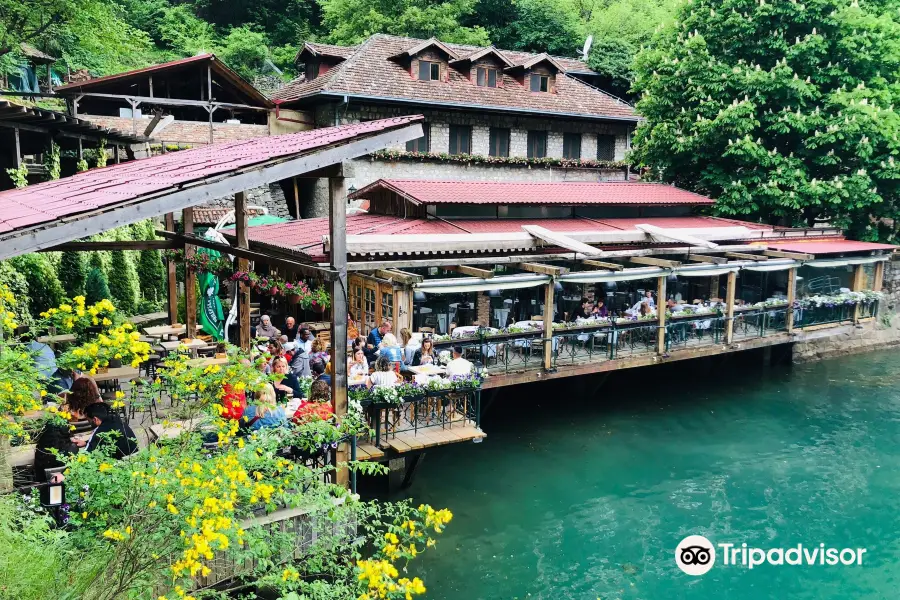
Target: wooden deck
[[368, 452], [429, 437]]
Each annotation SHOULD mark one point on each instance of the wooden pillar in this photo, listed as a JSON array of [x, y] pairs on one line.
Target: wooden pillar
[[661, 314], [243, 299], [729, 306], [859, 279], [190, 276], [18, 143], [170, 274], [791, 296], [878, 284], [296, 201], [403, 308], [548, 324], [118, 158], [337, 218]]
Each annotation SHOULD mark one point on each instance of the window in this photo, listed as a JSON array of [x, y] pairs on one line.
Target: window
[[460, 139], [572, 146], [485, 77], [429, 71], [606, 147], [499, 142], [387, 305], [419, 144], [312, 70], [540, 83], [537, 144]]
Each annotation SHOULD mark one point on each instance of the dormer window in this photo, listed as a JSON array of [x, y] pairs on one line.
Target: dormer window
[[539, 83], [485, 77], [429, 71]]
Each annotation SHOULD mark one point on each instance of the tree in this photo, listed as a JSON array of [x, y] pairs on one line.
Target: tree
[[245, 51], [782, 111], [44, 289], [123, 282], [18, 285], [546, 26], [97, 287], [152, 275], [96, 261], [72, 273], [351, 21]]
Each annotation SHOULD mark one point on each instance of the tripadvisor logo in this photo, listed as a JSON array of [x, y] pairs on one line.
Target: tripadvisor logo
[[696, 555]]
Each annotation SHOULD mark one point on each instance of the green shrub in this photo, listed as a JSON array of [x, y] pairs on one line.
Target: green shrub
[[181, 300], [123, 282], [96, 261], [97, 287], [44, 289], [18, 285], [72, 273], [152, 275]]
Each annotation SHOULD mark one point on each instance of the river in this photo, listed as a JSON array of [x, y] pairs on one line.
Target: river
[[586, 498]]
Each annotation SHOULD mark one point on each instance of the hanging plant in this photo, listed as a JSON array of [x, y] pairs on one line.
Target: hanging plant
[[218, 265], [296, 292], [101, 153], [82, 165], [19, 176], [51, 162]]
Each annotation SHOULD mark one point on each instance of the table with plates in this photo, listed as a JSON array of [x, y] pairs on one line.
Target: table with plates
[[162, 331]]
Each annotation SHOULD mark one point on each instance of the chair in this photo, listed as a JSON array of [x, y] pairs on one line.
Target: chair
[[429, 330]]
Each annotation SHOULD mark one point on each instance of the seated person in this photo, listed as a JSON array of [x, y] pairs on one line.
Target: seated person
[[318, 405], [318, 351], [358, 366], [266, 412], [373, 342], [106, 421], [265, 329], [299, 363], [600, 310], [318, 371], [648, 298], [291, 329], [674, 307], [352, 327], [391, 348], [384, 375], [425, 355], [584, 309], [319, 391], [305, 339], [289, 386], [459, 366], [52, 437], [645, 309], [84, 392], [409, 345]]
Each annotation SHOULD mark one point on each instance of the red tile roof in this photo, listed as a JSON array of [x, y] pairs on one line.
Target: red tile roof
[[210, 215], [117, 184], [368, 72], [833, 246], [307, 234], [220, 68], [536, 193]]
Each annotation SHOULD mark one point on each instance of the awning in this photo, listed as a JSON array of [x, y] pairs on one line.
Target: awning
[[713, 272], [832, 246], [456, 285], [555, 238], [844, 262], [769, 266], [626, 275]]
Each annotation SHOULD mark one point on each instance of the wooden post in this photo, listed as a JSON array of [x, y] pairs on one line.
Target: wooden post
[[190, 276], [859, 278], [118, 158], [170, 272], [729, 307], [548, 325], [18, 147], [403, 308], [150, 81], [661, 314], [337, 218], [791, 296], [80, 150], [879, 277], [243, 299], [296, 201]]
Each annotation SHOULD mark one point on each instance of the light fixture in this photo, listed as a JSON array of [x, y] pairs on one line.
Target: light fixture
[[672, 278], [610, 286], [419, 297], [558, 286], [493, 293], [351, 189]]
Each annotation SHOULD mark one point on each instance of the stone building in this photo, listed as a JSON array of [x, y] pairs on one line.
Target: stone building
[[490, 114]]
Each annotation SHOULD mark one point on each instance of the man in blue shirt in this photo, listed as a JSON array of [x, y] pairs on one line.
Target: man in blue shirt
[[374, 339]]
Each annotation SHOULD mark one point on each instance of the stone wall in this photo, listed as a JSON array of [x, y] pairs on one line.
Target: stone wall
[[185, 132], [270, 196], [891, 285]]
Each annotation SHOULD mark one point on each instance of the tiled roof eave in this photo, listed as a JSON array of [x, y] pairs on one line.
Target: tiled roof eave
[[464, 105]]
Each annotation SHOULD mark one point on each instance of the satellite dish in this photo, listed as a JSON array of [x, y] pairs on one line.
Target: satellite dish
[[587, 47]]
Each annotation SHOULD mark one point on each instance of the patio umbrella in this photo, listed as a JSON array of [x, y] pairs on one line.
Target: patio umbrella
[[209, 310]]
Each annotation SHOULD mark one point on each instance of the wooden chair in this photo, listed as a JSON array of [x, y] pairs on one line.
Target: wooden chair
[[429, 330], [537, 317]]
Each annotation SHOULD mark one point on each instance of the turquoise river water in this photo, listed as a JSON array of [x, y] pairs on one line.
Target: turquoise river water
[[585, 498]]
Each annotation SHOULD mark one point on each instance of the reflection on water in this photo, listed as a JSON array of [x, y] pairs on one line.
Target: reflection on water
[[574, 497]]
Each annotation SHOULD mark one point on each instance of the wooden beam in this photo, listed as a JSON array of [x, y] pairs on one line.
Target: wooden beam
[[791, 294], [337, 219], [602, 265], [706, 258], [190, 276], [399, 276], [661, 315], [172, 283], [554, 238], [664, 235], [541, 269], [879, 276], [193, 193], [548, 325], [746, 256], [859, 279], [783, 254], [473, 271], [171, 101], [113, 245], [243, 299], [655, 262], [730, 288]]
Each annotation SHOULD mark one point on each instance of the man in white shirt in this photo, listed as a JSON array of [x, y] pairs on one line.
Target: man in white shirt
[[648, 298], [458, 366]]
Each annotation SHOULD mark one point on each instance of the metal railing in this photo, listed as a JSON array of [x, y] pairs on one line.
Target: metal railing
[[504, 353], [445, 409], [695, 330], [868, 309], [809, 316], [760, 322]]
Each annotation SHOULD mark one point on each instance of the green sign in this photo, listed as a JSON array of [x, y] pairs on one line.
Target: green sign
[[209, 311]]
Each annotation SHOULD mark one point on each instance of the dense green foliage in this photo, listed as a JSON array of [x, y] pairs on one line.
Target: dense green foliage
[[44, 288], [97, 287], [783, 111], [123, 283], [72, 273]]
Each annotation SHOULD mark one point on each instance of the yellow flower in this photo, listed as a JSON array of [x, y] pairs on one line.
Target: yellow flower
[[104, 467]]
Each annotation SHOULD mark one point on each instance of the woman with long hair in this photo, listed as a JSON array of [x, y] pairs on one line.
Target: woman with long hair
[[425, 355], [265, 412], [383, 376], [84, 392]]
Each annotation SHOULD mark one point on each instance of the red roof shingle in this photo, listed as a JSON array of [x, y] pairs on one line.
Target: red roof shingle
[[562, 193], [116, 184], [369, 72]]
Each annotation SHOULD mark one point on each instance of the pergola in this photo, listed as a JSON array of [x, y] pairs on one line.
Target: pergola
[[53, 214]]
